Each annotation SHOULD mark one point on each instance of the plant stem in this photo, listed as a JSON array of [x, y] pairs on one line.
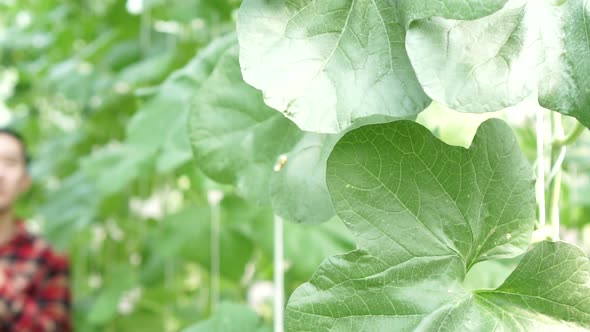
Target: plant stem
[[555, 195], [557, 156], [571, 137], [215, 254], [556, 164], [540, 188], [279, 275]]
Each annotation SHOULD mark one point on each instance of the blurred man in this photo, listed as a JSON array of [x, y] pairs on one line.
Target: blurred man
[[34, 279]]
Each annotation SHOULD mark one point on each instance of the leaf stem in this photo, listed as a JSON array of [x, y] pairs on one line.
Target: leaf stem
[[555, 195], [557, 157], [571, 137], [556, 165], [279, 275], [214, 199]]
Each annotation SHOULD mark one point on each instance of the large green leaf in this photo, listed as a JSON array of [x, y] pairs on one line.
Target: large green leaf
[[424, 213], [237, 139], [550, 287], [325, 64], [497, 61]]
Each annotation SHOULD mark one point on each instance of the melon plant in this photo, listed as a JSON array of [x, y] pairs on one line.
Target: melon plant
[[423, 213], [310, 112]]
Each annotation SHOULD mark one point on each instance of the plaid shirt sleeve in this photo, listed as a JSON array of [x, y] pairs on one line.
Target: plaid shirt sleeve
[[34, 287]]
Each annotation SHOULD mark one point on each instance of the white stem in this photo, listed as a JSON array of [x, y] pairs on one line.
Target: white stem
[[279, 275], [557, 165], [555, 205], [558, 135], [540, 167], [215, 255]]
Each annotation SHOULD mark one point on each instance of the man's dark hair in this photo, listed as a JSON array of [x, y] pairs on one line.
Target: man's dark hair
[[16, 135]]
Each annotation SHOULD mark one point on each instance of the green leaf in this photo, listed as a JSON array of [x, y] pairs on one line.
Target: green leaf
[[452, 9], [122, 162], [564, 85], [166, 113], [476, 66], [76, 79], [144, 321], [497, 61], [424, 213], [147, 71], [176, 149], [238, 140], [70, 208], [230, 317], [325, 64], [549, 288], [104, 307], [187, 234], [421, 181]]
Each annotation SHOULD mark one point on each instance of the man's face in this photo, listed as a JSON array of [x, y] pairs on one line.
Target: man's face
[[14, 178]]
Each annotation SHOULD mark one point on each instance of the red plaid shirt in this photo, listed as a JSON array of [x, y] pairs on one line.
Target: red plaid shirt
[[34, 286]]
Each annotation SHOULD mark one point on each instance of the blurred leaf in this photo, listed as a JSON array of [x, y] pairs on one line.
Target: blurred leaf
[[166, 113], [70, 208], [187, 234], [143, 321], [113, 168], [105, 306], [147, 71], [231, 317]]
